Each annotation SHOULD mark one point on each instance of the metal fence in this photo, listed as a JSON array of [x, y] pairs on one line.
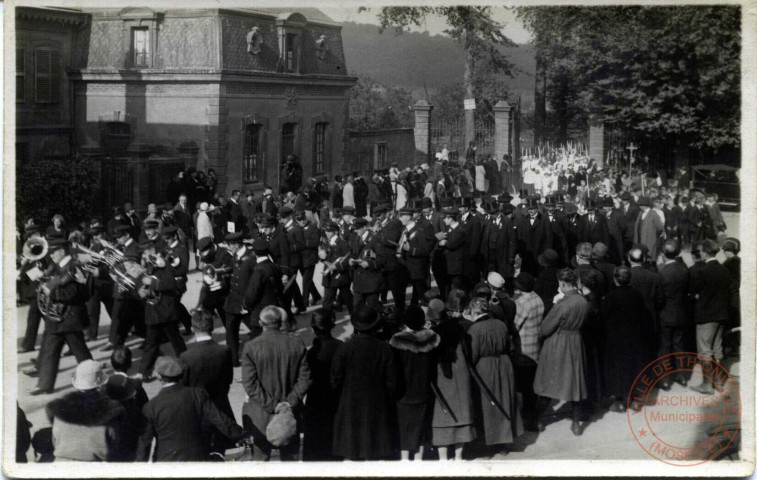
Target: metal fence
[[451, 134]]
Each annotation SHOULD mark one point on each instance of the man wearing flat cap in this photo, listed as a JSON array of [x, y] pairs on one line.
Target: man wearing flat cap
[[395, 276], [179, 255], [177, 418], [69, 328], [243, 261], [102, 290]]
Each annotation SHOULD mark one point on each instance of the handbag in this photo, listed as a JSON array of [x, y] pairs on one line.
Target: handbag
[[282, 429]]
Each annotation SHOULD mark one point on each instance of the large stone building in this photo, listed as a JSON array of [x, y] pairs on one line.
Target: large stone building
[[149, 92]]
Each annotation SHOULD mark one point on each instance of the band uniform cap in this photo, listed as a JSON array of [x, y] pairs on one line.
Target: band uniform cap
[[123, 229], [548, 258], [146, 243], [120, 388], [599, 251], [204, 244], [261, 245], [359, 222], [643, 202], [496, 280], [268, 221], [285, 211], [233, 237], [330, 226], [151, 223], [380, 209], [348, 210], [170, 230], [89, 375], [570, 208], [96, 228], [525, 282], [364, 318], [426, 202], [169, 366]]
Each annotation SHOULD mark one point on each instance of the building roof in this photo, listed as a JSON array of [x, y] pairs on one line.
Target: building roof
[[312, 14]]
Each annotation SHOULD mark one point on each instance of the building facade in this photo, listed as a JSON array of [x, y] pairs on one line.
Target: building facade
[[236, 90]]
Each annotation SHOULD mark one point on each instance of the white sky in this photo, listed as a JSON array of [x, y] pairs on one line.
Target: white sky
[[434, 25]]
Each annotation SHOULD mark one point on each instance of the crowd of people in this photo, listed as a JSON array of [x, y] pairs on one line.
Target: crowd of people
[[520, 297]]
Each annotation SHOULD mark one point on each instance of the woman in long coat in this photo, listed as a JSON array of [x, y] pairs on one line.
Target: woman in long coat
[[490, 347], [414, 347], [561, 373], [364, 375], [629, 329], [452, 425]]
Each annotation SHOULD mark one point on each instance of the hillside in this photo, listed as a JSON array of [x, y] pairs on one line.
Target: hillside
[[408, 59]]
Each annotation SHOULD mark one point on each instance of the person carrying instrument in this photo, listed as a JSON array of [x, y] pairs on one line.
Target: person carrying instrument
[[62, 303], [158, 288], [215, 285], [32, 266], [178, 256], [336, 278], [368, 279]]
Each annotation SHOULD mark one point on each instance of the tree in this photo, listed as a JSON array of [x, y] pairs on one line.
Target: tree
[[478, 34], [668, 75], [378, 107]]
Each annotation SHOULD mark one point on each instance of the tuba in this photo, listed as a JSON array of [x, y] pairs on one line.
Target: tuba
[[56, 311], [35, 249]]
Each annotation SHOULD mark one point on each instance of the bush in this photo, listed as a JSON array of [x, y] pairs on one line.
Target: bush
[[49, 186]]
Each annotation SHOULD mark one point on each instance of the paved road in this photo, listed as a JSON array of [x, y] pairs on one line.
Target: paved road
[[606, 437]]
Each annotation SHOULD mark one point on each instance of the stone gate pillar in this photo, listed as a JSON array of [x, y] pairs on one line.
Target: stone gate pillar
[[422, 131], [597, 145], [502, 144]]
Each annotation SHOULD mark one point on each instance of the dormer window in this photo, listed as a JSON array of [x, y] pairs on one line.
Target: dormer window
[[292, 52]]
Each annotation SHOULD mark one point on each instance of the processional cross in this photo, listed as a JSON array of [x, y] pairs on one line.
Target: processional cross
[[631, 148]]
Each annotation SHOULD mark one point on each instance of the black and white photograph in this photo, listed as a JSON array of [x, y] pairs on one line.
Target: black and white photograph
[[307, 238]]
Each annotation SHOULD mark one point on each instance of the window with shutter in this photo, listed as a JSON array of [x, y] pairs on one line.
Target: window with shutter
[[46, 75], [20, 75]]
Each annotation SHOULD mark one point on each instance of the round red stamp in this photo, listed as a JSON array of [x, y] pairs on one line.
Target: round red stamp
[[684, 426]]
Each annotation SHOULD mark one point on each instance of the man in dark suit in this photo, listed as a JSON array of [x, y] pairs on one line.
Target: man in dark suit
[[710, 286], [236, 216], [132, 219], [455, 245], [305, 240], [336, 279], [183, 215], [209, 366], [368, 281], [416, 245], [534, 236], [132, 396], [499, 242], [274, 372], [630, 211], [558, 223], [177, 419], [436, 221], [673, 317], [575, 231], [236, 313], [265, 287], [395, 273], [293, 261], [472, 227], [649, 283], [71, 295], [615, 229], [596, 223]]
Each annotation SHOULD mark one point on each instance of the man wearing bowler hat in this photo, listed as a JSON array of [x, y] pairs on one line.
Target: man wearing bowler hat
[[472, 226], [177, 418], [534, 236], [596, 223], [558, 223]]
